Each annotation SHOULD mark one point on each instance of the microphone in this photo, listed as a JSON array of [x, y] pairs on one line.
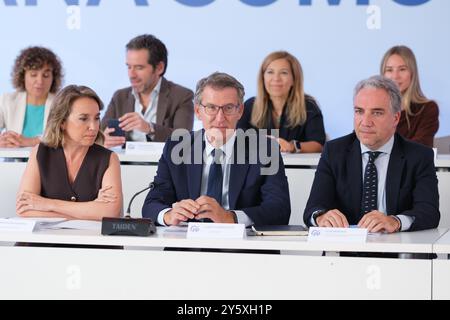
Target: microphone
[[127, 226]]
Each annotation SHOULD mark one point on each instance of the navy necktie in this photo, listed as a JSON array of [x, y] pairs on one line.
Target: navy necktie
[[370, 188], [215, 176]]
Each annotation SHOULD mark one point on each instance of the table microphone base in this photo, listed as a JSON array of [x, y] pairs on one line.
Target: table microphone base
[[140, 227]]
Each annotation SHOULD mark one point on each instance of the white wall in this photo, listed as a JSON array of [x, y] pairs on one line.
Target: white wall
[[333, 42]]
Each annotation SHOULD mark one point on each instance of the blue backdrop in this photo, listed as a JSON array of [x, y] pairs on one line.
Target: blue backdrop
[[337, 42]]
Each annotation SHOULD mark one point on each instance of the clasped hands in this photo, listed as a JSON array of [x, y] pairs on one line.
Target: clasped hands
[[11, 139], [202, 207], [374, 221]]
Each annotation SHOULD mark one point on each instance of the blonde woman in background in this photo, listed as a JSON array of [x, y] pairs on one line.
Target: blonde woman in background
[[281, 103], [419, 119]]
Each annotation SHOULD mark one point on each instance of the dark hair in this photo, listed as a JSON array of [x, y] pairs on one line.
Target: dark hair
[[34, 58], [157, 51]]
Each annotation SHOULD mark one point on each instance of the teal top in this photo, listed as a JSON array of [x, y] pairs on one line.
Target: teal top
[[33, 125]]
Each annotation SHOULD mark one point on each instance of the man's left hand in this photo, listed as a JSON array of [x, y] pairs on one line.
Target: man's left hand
[[134, 121], [211, 209], [376, 221]]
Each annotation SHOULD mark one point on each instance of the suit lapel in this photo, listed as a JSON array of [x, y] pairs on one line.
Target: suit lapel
[[162, 102], [238, 174], [354, 170], [194, 170], [394, 175], [20, 113], [129, 105]]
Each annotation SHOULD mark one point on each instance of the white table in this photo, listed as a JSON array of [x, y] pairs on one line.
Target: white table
[[441, 268], [139, 170], [143, 270]]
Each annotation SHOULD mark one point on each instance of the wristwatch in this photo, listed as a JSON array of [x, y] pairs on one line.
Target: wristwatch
[[151, 134], [297, 146], [318, 213]]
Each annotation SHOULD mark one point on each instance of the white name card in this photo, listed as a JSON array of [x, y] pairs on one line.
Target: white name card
[[200, 230], [340, 235], [136, 147], [17, 225]]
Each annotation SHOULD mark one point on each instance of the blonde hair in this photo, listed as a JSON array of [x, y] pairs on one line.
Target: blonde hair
[[413, 93], [296, 104], [60, 111]]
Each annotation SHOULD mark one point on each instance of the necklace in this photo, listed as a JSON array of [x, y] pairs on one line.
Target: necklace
[[276, 117]]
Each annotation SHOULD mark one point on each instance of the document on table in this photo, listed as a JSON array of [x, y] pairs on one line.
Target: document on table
[[35, 224], [75, 224], [133, 147]]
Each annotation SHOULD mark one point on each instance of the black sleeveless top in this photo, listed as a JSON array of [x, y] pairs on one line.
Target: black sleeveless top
[[55, 182]]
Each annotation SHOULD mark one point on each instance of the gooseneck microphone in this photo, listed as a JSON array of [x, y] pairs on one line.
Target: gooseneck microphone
[[150, 186], [127, 226]]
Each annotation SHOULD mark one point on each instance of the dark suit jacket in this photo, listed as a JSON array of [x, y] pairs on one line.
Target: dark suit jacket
[[264, 198], [411, 182], [311, 130], [175, 109]]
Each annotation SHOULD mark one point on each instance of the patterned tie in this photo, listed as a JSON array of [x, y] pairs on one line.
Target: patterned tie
[[370, 193], [215, 177]]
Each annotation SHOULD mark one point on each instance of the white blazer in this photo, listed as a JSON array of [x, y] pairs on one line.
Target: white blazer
[[13, 107]]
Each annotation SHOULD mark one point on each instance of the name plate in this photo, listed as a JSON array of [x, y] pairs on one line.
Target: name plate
[[17, 225], [201, 230], [340, 235], [135, 147]]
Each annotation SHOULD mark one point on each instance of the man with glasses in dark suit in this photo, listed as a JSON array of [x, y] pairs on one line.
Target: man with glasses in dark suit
[[216, 174]]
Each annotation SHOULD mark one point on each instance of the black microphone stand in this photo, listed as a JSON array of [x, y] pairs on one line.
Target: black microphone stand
[[128, 226], [127, 214]]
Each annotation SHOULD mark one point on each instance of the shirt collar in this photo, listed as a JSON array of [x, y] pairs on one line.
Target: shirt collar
[[154, 92], [227, 148], [386, 148]]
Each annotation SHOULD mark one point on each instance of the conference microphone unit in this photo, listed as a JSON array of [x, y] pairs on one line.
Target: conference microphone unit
[[127, 226]]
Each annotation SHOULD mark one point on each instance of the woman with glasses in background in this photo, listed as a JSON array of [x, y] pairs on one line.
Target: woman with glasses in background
[[419, 120], [282, 104]]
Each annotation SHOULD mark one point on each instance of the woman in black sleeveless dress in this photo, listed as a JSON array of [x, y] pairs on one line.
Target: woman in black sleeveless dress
[[69, 175]]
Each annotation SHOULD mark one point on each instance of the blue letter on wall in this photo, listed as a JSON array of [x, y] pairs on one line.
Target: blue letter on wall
[[258, 3], [195, 3], [334, 2], [95, 3], [411, 2], [14, 2]]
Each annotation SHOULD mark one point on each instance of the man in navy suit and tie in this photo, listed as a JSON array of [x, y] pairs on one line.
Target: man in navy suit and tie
[[218, 174], [374, 177]]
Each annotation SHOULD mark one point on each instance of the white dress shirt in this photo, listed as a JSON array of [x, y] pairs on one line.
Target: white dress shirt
[[150, 112], [228, 150]]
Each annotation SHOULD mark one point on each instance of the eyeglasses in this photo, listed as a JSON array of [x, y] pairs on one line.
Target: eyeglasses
[[228, 109]]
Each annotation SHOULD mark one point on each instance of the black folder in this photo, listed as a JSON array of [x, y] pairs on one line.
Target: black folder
[[280, 230]]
